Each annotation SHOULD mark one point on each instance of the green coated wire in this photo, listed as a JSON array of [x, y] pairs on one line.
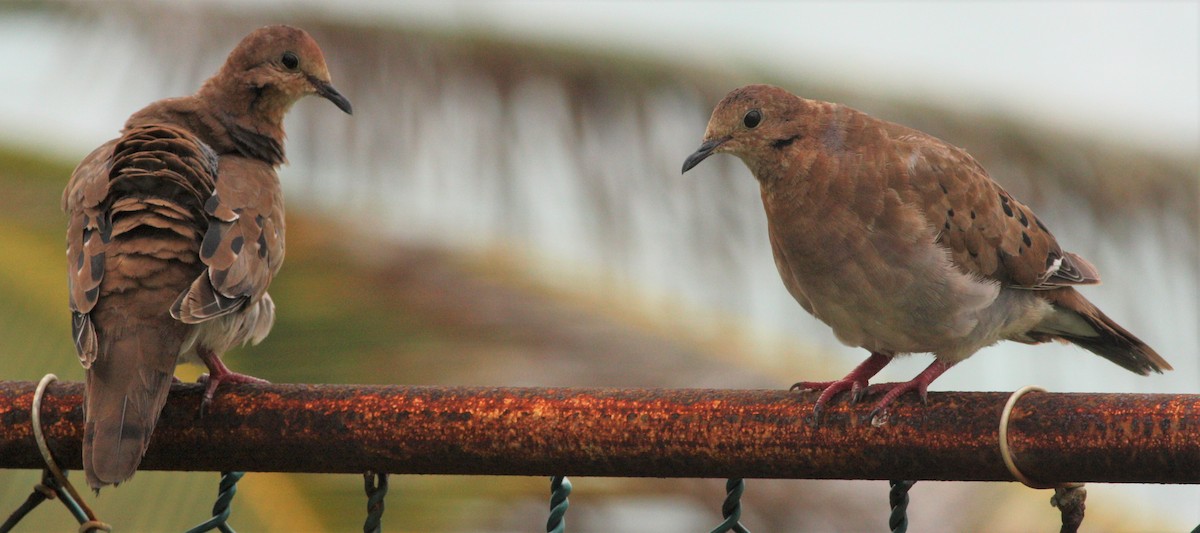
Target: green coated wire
[[221, 510], [731, 509], [41, 492], [898, 499], [560, 489], [376, 487], [50, 489], [54, 479]]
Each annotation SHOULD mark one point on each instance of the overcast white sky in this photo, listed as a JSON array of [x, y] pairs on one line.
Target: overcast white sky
[[1122, 70]]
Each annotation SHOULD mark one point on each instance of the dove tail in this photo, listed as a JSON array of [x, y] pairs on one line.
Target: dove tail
[[1079, 322], [127, 387]]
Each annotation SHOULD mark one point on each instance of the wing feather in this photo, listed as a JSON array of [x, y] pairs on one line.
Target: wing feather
[[243, 246], [987, 232]]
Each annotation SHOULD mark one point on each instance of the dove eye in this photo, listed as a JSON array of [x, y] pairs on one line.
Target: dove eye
[[752, 118], [290, 61]]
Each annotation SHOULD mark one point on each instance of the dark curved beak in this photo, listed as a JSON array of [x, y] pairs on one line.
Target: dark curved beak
[[701, 154], [326, 90]]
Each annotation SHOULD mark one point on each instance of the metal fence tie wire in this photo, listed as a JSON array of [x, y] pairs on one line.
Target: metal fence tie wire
[[41, 492], [731, 508], [55, 478], [560, 489], [898, 500], [225, 493], [376, 487], [1069, 498]]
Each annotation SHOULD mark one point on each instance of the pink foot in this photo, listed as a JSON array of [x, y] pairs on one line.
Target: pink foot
[[920, 384], [218, 374], [829, 389], [855, 382]]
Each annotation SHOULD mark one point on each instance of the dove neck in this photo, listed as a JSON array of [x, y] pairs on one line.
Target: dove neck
[[249, 141], [251, 117], [782, 176]]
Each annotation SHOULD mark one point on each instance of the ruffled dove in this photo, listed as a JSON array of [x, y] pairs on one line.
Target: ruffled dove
[[902, 244], [176, 230]]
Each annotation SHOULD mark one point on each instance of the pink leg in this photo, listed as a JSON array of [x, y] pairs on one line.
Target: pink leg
[[218, 373], [919, 384], [856, 381]]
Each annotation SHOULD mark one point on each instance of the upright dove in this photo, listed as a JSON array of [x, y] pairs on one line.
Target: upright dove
[[176, 230], [902, 243]]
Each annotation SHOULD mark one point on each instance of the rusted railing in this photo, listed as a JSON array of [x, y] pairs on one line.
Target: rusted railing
[[1136, 438]]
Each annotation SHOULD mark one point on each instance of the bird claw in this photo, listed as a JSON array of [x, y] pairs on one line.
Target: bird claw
[[920, 384], [896, 390], [828, 390], [810, 385], [858, 391], [814, 420], [212, 382]]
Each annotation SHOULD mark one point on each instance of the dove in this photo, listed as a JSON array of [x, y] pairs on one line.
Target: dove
[[175, 232], [902, 243]]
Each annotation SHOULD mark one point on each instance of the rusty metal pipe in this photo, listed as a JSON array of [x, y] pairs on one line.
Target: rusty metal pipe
[[1135, 438]]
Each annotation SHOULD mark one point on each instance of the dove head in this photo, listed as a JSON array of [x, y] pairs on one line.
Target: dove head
[[751, 122], [269, 70]]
